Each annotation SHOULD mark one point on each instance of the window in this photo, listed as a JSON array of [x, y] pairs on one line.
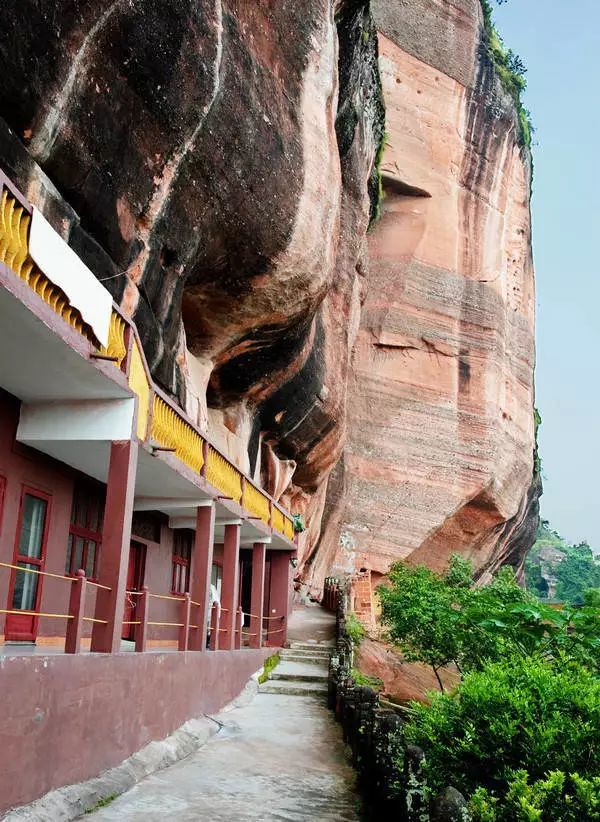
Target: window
[[30, 550], [182, 554], [85, 531]]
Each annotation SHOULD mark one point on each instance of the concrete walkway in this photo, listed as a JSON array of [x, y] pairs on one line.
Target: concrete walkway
[[279, 758]]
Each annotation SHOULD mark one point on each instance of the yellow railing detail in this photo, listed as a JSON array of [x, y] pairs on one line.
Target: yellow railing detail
[[256, 502], [138, 382], [14, 253], [170, 430], [288, 528], [116, 340], [223, 475], [278, 524]]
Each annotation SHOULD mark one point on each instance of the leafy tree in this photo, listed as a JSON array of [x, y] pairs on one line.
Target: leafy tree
[[578, 571], [422, 611], [438, 619]]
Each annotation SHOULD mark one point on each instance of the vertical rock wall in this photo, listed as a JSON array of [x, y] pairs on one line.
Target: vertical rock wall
[[440, 448]]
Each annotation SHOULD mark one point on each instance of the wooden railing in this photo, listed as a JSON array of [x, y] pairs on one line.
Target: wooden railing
[[15, 218], [257, 502], [223, 475], [171, 431], [75, 617]]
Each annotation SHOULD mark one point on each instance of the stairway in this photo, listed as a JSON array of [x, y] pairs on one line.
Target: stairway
[[303, 671]]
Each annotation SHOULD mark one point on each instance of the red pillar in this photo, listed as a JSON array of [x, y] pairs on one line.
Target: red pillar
[[116, 539], [279, 598], [259, 551], [202, 560], [140, 631], [229, 589], [76, 610]]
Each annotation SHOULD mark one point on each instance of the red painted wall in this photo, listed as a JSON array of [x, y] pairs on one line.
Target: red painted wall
[[66, 718]]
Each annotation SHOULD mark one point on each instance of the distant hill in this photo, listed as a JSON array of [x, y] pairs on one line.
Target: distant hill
[[556, 570]]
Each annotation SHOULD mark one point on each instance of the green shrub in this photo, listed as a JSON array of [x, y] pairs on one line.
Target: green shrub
[[354, 628], [517, 714], [558, 797]]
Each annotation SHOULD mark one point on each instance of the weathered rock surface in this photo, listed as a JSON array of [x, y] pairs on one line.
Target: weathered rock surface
[[440, 449], [402, 681], [214, 164], [223, 166]]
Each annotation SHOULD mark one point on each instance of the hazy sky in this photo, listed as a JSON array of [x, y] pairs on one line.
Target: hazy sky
[[558, 41]]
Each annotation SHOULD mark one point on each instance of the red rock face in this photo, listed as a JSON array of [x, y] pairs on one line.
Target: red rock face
[[440, 447]]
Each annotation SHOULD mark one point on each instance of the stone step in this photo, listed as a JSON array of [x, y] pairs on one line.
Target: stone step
[[272, 686], [311, 660], [311, 646], [285, 677], [308, 654]]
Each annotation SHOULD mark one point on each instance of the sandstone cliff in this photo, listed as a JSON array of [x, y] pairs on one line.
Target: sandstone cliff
[[215, 164], [440, 449]]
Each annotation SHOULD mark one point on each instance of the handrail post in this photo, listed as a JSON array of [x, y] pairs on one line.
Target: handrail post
[[238, 635], [76, 610], [214, 627], [140, 632], [184, 633]]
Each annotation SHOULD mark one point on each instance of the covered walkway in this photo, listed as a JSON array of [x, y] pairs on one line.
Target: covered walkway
[[279, 758]]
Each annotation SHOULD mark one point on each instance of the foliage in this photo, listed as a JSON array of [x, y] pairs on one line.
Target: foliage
[[510, 68], [519, 733], [575, 573], [422, 609], [270, 663], [513, 715], [373, 682], [354, 628], [299, 525], [559, 797], [440, 619]]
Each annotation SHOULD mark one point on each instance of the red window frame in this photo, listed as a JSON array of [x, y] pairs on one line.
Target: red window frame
[[183, 543], [92, 498]]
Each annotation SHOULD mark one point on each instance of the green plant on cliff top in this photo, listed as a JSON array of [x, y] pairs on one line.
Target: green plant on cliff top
[[511, 71]]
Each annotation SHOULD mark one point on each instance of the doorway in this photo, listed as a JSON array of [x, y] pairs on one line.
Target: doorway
[[25, 590], [135, 579]]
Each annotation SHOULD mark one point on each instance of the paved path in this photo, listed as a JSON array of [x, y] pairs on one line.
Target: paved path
[[279, 758]]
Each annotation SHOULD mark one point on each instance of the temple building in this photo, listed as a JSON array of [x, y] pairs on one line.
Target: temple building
[[138, 564]]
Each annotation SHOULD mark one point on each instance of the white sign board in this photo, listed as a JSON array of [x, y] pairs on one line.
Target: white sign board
[[57, 260]]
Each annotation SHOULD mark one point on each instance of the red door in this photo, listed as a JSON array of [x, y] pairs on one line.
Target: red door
[[25, 590], [135, 580]]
